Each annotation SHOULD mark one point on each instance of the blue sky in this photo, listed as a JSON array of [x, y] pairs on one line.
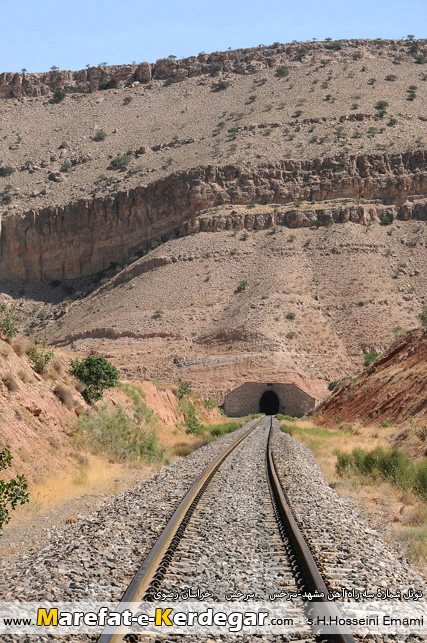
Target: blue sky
[[39, 34]]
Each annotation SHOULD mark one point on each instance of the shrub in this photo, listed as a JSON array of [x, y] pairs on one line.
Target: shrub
[[332, 385], [65, 394], [370, 357], [334, 45], [287, 428], [120, 162], [58, 95], [100, 135], [39, 355], [344, 463], [387, 218], [391, 78], [66, 167], [96, 373], [109, 431], [8, 320], [170, 81], [127, 100], [423, 317], [290, 316], [222, 429], [393, 465], [381, 107], [242, 286], [21, 346], [6, 170], [10, 382], [209, 404], [221, 85], [184, 388], [13, 492], [108, 84], [282, 71]]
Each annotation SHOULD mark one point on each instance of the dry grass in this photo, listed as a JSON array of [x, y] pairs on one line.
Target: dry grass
[[65, 394], [26, 377], [21, 345], [10, 382], [182, 449], [402, 517]]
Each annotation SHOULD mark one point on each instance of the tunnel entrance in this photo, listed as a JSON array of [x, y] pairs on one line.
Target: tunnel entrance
[[269, 403]]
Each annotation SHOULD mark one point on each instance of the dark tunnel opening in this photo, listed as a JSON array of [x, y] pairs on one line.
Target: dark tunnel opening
[[269, 403]]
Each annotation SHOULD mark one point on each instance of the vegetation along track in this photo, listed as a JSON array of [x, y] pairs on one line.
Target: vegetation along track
[[233, 532]]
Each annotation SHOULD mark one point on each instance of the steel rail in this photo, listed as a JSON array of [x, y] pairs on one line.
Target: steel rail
[[146, 574], [149, 575], [306, 563]]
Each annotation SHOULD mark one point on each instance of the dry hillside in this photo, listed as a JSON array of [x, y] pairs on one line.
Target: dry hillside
[[392, 390], [268, 220]]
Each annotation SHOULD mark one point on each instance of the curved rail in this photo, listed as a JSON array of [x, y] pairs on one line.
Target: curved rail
[[168, 540]]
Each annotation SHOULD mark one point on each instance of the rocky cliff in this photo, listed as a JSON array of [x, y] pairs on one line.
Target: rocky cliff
[[240, 61], [83, 238]]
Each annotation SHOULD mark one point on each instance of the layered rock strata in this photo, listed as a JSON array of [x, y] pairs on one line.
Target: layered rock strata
[[84, 237]]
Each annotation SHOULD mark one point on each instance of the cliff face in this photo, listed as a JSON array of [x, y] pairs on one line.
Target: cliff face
[[240, 61], [83, 238]]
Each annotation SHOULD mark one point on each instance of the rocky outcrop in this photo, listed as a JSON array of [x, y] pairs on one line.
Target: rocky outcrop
[[83, 238], [391, 390], [239, 61]]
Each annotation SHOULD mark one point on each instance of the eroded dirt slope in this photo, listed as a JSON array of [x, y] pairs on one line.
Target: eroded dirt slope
[[392, 390], [225, 307]]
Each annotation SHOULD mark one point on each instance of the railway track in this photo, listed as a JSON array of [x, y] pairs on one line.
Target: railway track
[[234, 534]]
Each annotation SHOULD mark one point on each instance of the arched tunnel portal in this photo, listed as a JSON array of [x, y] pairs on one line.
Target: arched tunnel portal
[[268, 398]]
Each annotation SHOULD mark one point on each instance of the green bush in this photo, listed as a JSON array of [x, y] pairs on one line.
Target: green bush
[[6, 170], [184, 388], [280, 417], [8, 320], [66, 167], [120, 162], [288, 428], [387, 219], [393, 465], [332, 385], [241, 287], [221, 85], [58, 95], [209, 404], [96, 373], [110, 432], [13, 492], [222, 429], [40, 355], [282, 71], [370, 357], [334, 45], [344, 463], [100, 135], [421, 479]]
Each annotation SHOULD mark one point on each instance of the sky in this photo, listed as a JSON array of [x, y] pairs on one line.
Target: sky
[[70, 35]]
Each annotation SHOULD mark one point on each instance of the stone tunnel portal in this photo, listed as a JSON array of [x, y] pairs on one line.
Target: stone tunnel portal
[[269, 398], [269, 403]]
